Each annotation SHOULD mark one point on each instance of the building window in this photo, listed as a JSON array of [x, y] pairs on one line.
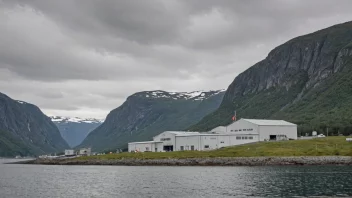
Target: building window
[[238, 138], [240, 130], [236, 130], [251, 138], [222, 142], [206, 146], [192, 148], [213, 138], [243, 138], [244, 129], [165, 139], [146, 148], [181, 148], [231, 130]]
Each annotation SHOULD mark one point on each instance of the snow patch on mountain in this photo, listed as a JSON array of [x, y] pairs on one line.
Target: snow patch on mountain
[[21, 102], [75, 119], [194, 95]]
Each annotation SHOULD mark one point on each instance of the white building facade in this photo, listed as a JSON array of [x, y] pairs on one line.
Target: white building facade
[[243, 131], [70, 152], [85, 151], [266, 129], [212, 141], [149, 146]]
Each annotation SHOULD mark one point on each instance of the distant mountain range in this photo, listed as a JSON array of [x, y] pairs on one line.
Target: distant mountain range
[[74, 129], [146, 114], [25, 130], [307, 80]]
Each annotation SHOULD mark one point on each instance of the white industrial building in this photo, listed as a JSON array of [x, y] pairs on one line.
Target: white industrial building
[[70, 152], [241, 132], [85, 151]]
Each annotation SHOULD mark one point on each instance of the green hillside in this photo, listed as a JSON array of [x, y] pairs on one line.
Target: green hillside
[[11, 146], [146, 114], [307, 81], [25, 130]]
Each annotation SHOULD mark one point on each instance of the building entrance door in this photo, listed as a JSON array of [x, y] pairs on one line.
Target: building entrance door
[[168, 148], [272, 137]]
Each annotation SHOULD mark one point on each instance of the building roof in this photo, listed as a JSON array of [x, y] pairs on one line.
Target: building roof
[[270, 122], [146, 142], [219, 128], [182, 132], [216, 134], [187, 134]]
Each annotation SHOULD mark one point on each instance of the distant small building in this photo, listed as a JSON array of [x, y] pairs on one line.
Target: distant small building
[[85, 151], [69, 152], [149, 146]]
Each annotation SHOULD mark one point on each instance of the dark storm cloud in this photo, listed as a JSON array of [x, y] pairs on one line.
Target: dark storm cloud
[[138, 20], [92, 54]]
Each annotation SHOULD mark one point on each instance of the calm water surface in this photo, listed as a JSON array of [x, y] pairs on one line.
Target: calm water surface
[[127, 181]]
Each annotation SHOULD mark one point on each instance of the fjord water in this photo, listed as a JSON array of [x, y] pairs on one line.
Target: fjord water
[[152, 181]]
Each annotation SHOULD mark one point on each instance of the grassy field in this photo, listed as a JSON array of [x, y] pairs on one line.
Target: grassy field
[[314, 147]]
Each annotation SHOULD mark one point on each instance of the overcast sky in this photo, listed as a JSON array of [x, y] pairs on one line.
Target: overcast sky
[[84, 57]]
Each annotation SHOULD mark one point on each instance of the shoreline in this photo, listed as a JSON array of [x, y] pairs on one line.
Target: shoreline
[[220, 161]]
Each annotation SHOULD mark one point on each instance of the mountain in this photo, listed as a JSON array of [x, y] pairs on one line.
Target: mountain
[[74, 130], [307, 80], [25, 130], [146, 114]]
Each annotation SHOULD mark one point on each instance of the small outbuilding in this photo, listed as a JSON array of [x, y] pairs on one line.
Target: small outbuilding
[[85, 151], [69, 152], [149, 146]]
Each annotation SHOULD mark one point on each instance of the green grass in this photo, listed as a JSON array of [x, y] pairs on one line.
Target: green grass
[[315, 147]]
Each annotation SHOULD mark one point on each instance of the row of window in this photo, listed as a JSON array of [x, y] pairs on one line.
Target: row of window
[[237, 130], [182, 148], [222, 142], [244, 138], [187, 148], [165, 139], [147, 149]]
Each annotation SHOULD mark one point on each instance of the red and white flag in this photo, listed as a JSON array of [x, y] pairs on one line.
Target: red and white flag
[[234, 117]]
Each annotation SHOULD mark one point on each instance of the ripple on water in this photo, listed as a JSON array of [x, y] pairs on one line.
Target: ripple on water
[[129, 181]]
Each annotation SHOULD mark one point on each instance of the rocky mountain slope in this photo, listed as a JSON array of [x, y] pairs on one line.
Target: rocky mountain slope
[[146, 114], [25, 130], [307, 80], [75, 130]]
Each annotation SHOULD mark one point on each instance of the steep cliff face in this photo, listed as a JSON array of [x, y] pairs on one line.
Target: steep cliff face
[[295, 77], [74, 130], [146, 114], [25, 130]]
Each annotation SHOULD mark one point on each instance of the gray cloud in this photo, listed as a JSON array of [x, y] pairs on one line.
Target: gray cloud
[[83, 58]]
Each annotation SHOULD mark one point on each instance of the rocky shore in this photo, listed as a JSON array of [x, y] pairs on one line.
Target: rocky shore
[[228, 161]]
